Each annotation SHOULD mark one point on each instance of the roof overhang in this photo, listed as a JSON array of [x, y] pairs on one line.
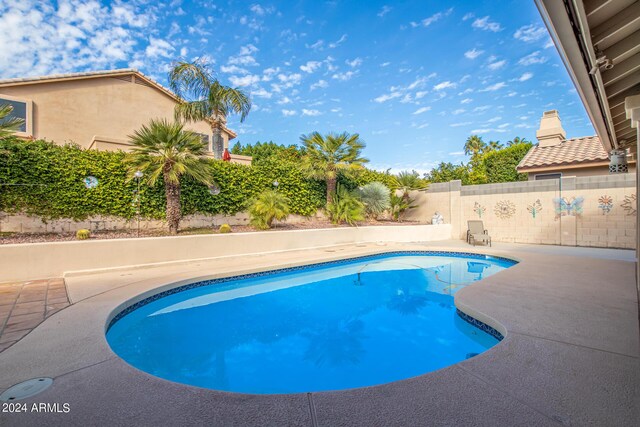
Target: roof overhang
[[599, 43]]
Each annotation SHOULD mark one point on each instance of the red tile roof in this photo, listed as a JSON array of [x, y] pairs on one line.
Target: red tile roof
[[572, 151]]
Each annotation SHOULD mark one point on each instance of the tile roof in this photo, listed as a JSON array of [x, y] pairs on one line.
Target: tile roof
[[587, 149]]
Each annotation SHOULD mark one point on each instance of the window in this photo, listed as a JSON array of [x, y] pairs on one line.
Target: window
[[540, 176], [205, 140], [21, 110]]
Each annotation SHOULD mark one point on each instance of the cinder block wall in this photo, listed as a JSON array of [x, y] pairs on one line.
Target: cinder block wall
[[508, 209]]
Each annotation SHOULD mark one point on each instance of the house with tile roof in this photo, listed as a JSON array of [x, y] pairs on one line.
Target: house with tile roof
[[555, 156], [97, 110]]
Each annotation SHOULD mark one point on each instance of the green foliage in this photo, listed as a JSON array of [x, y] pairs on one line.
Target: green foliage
[[376, 198], [269, 205], [224, 229], [345, 207], [264, 150], [500, 165], [47, 181], [446, 172], [399, 205], [328, 156], [83, 234]]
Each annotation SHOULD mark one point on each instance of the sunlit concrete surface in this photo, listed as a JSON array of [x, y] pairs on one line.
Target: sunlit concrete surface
[[570, 354]]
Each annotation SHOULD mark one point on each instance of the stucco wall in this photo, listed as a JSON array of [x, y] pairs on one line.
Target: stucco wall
[[590, 171], [594, 223], [41, 260], [77, 110]]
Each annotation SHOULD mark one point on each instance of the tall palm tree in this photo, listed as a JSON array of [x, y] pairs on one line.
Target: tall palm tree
[[327, 155], [474, 145], [165, 149], [517, 140], [204, 98], [8, 124], [494, 146]]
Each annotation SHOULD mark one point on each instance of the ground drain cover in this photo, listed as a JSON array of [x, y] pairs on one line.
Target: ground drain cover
[[26, 389]]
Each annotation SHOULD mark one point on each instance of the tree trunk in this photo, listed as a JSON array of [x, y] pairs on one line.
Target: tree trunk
[[217, 142], [331, 189], [174, 213]]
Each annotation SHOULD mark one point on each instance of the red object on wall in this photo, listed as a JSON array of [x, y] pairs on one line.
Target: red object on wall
[[226, 156]]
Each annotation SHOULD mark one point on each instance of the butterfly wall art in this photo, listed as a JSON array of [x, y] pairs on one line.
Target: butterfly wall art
[[568, 206]]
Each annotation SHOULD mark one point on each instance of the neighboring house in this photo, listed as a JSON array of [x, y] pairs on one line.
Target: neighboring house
[[557, 157], [96, 110]]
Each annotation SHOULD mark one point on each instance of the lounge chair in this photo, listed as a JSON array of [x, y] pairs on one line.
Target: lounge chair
[[477, 233]]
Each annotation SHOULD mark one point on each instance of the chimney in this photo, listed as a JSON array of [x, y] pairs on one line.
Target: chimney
[[551, 132]]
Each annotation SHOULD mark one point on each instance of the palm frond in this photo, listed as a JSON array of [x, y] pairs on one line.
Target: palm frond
[[8, 125]]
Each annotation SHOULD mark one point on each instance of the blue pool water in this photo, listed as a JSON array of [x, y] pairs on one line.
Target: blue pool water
[[333, 326]]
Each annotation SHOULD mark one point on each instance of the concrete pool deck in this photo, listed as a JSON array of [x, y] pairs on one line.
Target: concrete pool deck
[[571, 353]]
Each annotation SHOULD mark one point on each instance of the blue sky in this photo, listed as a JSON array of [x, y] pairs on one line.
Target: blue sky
[[413, 78]]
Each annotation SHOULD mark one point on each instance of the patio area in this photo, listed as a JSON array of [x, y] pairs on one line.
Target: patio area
[[570, 354]]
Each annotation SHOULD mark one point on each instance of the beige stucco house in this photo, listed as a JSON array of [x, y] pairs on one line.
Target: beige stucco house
[[555, 156], [96, 110]]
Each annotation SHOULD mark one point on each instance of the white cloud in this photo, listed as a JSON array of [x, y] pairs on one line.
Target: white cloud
[[260, 10], [233, 69], [433, 18], [497, 65], [468, 16], [486, 24], [319, 84], [159, 48], [245, 57], [466, 101], [473, 53], [457, 153], [385, 9], [387, 97], [262, 93], [306, 112], [533, 58], [285, 100], [247, 80], [316, 46], [458, 111], [338, 42], [494, 87], [421, 110], [385, 64], [290, 80], [494, 119], [311, 66], [525, 76], [344, 76], [456, 125], [530, 33], [288, 113], [421, 94], [481, 108], [444, 85], [354, 63], [549, 43]]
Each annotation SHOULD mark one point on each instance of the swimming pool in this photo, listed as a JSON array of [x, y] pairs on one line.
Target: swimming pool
[[330, 326]]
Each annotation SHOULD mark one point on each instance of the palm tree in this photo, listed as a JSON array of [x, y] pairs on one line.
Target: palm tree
[[408, 181], [269, 205], [517, 140], [474, 145], [494, 146], [8, 124], [165, 149], [204, 98], [327, 156]]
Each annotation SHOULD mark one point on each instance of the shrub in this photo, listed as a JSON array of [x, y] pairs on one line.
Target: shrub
[[376, 198], [501, 165], [399, 205], [345, 207], [269, 205], [224, 228], [83, 234]]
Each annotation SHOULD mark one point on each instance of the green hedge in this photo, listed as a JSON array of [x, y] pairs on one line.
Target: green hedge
[[500, 165], [52, 187]]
